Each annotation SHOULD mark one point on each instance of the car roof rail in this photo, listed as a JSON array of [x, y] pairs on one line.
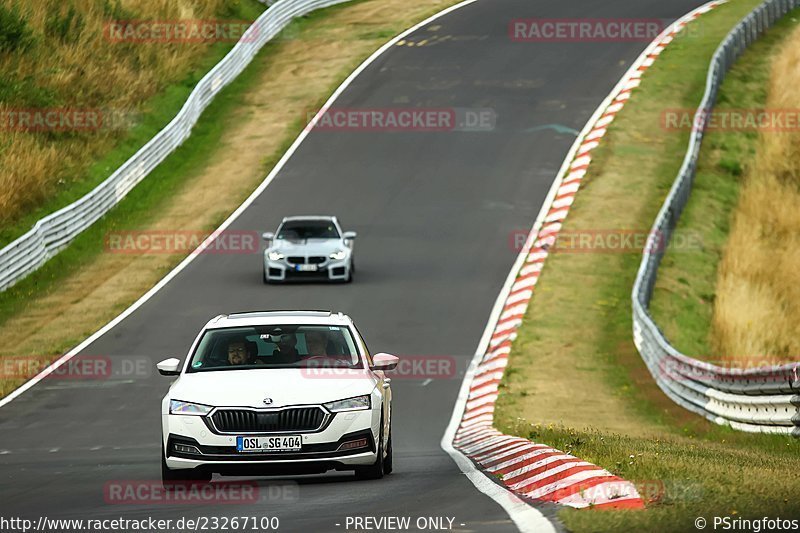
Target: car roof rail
[[282, 312]]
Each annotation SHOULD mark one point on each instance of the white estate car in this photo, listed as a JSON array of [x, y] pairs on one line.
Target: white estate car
[[277, 392], [309, 248]]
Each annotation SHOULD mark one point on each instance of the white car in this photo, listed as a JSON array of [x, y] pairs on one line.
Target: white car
[[277, 392], [309, 248]]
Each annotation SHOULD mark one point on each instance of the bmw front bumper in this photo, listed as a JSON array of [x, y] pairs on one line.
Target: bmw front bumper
[[328, 271]]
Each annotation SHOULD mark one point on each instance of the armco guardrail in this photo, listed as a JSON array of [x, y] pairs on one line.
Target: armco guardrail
[[55, 231], [764, 399]]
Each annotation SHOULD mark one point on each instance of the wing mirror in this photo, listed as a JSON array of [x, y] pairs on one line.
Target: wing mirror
[[384, 361], [169, 367], [268, 236], [350, 235]]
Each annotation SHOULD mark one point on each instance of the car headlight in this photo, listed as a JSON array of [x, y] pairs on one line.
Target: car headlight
[[275, 256], [338, 255], [359, 403], [177, 407]]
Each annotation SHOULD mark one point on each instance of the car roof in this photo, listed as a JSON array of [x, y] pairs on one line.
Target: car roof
[[267, 318], [308, 217]]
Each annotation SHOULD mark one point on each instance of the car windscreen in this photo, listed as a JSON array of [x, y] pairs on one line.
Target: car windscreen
[[276, 346], [297, 230]]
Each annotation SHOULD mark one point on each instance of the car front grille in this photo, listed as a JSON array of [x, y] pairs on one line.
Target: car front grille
[[247, 421], [313, 260]]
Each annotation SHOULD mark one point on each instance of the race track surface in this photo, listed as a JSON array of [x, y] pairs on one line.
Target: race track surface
[[434, 211]]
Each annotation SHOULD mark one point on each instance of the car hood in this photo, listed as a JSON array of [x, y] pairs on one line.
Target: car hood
[[285, 386], [308, 247]]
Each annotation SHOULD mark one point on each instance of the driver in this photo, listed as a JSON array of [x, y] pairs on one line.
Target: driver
[[238, 354]]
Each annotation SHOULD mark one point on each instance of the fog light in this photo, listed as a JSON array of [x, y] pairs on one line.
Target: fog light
[[360, 443], [185, 448]]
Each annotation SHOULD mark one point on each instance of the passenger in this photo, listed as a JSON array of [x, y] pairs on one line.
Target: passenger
[[317, 343], [286, 351]]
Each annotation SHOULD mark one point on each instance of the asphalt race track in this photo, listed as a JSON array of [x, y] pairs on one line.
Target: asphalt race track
[[434, 211]]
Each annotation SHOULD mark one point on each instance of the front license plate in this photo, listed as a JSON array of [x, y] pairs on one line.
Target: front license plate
[[306, 268], [269, 444]]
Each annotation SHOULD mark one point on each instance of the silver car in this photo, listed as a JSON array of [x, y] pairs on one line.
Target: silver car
[[309, 247]]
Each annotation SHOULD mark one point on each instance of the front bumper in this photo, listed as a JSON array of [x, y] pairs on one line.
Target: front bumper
[[328, 271], [321, 450]]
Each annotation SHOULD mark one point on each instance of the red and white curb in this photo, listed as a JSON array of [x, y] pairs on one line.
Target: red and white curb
[[535, 472]]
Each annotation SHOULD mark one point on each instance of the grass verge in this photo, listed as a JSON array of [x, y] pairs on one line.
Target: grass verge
[[574, 367]]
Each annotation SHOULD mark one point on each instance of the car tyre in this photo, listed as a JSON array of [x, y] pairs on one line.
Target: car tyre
[[172, 478], [387, 462]]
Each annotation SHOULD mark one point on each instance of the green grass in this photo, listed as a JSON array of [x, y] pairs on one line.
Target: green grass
[[683, 299], [573, 366], [682, 479], [156, 114]]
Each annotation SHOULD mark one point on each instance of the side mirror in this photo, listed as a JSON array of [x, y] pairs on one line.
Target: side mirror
[[268, 236], [350, 235], [169, 367], [384, 361]]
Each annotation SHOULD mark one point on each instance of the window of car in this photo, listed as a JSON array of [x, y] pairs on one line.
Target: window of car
[[308, 229], [275, 346]]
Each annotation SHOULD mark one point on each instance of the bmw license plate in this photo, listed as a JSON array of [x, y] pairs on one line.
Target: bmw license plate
[[269, 444], [306, 268]]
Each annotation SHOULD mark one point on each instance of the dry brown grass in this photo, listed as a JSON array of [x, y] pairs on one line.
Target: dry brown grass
[[757, 308], [67, 62]]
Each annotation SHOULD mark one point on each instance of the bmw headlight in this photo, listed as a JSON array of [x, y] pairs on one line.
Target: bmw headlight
[[177, 407], [359, 403], [275, 256], [338, 255]]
